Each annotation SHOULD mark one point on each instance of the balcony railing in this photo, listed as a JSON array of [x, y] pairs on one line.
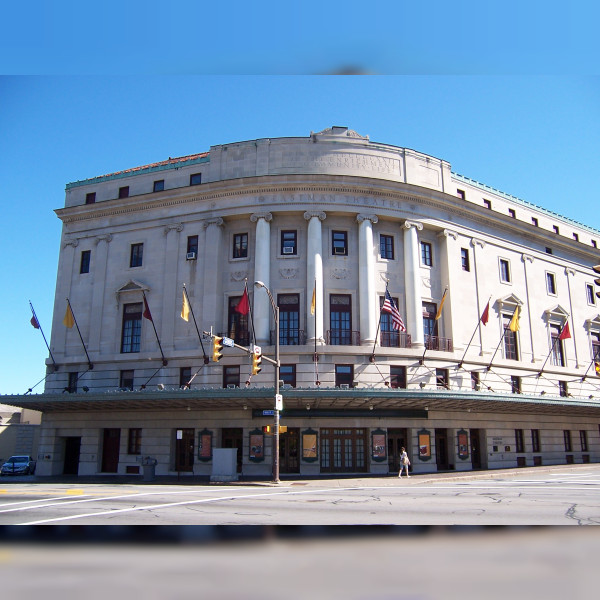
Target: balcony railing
[[289, 337], [394, 339], [337, 337], [433, 342]]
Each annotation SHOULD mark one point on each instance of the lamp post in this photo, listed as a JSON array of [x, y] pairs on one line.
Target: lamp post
[[260, 284]]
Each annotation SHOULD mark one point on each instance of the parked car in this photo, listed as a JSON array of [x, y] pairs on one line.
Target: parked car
[[18, 465]]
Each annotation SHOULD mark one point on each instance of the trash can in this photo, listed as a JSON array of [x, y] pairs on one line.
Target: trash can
[[149, 467]]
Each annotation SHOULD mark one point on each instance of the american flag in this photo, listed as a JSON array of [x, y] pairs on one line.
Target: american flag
[[389, 306]]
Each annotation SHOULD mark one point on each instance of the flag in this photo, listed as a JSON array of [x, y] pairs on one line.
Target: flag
[[243, 306], [597, 366], [146, 314], [34, 322], [486, 314], [69, 319], [389, 306], [439, 311], [565, 333], [185, 308], [313, 303], [514, 322]]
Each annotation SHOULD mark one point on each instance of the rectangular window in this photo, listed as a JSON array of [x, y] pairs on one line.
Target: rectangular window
[[90, 198], [124, 192], [567, 439], [134, 441], [84, 265], [594, 244], [512, 213], [287, 373], [563, 389], [576, 237], [126, 380], [185, 374], [504, 270], [231, 376], [340, 320], [344, 376], [548, 250], [426, 254], [196, 179], [519, 443], [511, 350], [441, 379], [551, 284], [159, 185], [464, 259], [192, 246], [72, 386], [535, 440], [583, 440], [240, 245], [388, 336], [132, 328], [386, 246], [515, 383], [289, 319], [591, 297], [535, 222], [339, 243], [558, 351], [398, 377], [461, 194], [595, 345], [430, 325], [475, 380], [487, 204], [289, 241], [136, 256], [237, 323], [555, 228]]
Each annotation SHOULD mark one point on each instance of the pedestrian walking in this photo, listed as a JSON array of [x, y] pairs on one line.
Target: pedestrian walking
[[404, 462]]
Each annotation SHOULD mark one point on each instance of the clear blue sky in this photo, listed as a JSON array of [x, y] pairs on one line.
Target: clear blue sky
[[500, 100]]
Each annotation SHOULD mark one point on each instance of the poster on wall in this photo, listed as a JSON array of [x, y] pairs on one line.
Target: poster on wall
[[309, 445], [424, 444], [463, 444], [205, 445], [257, 450], [379, 446]]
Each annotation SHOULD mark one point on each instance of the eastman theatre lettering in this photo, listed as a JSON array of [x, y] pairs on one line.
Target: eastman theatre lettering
[[342, 160], [325, 199]]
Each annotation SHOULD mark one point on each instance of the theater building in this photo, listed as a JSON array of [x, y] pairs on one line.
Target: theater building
[[495, 367]]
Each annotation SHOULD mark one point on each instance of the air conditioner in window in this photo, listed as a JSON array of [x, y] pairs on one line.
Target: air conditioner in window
[[287, 386], [338, 250], [344, 386], [288, 250], [190, 256], [231, 386]]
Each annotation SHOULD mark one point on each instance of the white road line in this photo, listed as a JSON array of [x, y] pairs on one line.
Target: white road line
[[42, 500]]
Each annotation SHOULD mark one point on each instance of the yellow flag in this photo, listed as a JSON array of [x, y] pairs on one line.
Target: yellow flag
[[69, 319], [185, 308], [439, 311], [314, 301], [514, 322]]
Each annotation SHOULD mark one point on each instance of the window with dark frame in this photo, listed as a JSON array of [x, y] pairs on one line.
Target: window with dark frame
[[185, 374], [558, 351], [192, 244], [136, 256], [430, 325], [594, 244], [461, 194], [511, 349], [519, 441], [515, 383], [556, 229], [487, 204], [563, 389], [159, 185], [84, 265], [386, 246], [548, 250], [72, 385], [441, 379], [124, 192], [551, 284], [132, 328], [475, 380], [591, 297], [240, 245], [196, 179], [398, 377], [535, 222], [339, 243], [237, 323], [595, 335], [90, 198], [126, 380], [567, 439], [340, 319], [426, 254], [464, 259], [289, 319], [231, 376], [535, 440], [504, 270], [289, 243], [287, 374], [576, 237], [512, 213], [388, 336], [583, 440], [344, 375], [134, 440]]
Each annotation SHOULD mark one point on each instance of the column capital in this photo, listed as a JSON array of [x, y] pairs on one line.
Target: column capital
[[173, 227], [309, 214], [477, 242], [104, 238], [569, 271], [361, 217], [409, 224], [71, 242], [527, 258], [448, 233], [218, 221], [267, 216]]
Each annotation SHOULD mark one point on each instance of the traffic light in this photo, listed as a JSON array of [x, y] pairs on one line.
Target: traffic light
[[597, 281], [268, 429], [283, 429], [256, 360], [217, 347]]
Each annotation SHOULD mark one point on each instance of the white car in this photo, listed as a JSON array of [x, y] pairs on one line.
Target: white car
[[18, 465]]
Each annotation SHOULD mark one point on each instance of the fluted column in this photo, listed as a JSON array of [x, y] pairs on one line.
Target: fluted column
[[314, 276], [262, 272], [212, 300], [449, 258], [366, 279], [414, 303], [170, 297], [100, 261]]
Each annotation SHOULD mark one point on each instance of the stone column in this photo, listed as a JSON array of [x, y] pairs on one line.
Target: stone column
[[527, 258], [100, 261], [449, 261], [366, 279], [212, 299], [414, 303], [170, 297], [481, 303], [262, 310], [314, 277]]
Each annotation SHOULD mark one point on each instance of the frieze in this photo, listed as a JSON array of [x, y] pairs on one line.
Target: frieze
[[351, 161], [238, 275], [340, 273], [289, 273]]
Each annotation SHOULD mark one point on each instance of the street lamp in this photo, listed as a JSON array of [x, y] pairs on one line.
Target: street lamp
[[260, 284]]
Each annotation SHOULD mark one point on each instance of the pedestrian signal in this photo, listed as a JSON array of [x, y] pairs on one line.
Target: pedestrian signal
[[283, 429], [217, 347], [268, 429], [256, 360]]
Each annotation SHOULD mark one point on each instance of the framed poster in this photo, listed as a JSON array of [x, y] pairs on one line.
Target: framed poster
[[309, 445], [205, 445], [257, 446], [424, 438], [463, 444], [378, 445]]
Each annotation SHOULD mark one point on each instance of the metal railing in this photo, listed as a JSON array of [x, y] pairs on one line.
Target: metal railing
[[394, 339], [433, 342], [342, 337], [290, 337]]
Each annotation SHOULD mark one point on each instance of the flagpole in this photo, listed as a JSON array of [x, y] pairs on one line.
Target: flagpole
[[205, 357], [90, 365], [503, 334], [553, 346], [478, 326], [316, 356], [372, 359], [42, 332], [588, 369], [165, 362], [250, 312]]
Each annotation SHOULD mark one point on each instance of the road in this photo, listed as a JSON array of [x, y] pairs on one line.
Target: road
[[561, 495]]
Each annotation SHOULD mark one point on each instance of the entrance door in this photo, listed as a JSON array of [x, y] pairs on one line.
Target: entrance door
[[110, 450], [71, 463], [184, 450], [475, 448], [397, 439], [441, 449], [343, 450], [289, 451], [233, 437]]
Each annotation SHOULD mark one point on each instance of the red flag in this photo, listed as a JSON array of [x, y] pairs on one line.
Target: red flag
[[565, 333], [486, 314], [34, 322], [243, 306], [146, 314]]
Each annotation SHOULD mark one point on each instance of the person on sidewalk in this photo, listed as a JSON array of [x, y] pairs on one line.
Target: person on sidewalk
[[404, 462]]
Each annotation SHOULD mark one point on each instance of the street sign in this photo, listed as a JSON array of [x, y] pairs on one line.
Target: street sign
[[257, 350], [278, 402], [268, 413], [227, 342]]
